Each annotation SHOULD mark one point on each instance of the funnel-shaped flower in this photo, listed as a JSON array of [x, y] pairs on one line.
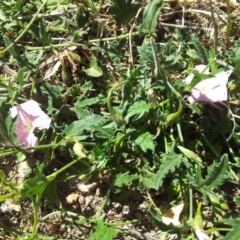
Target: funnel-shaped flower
[[199, 68], [201, 235], [213, 89], [30, 116]]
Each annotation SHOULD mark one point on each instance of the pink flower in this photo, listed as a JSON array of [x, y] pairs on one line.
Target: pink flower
[[213, 89], [30, 116], [199, 68], [201, 235]]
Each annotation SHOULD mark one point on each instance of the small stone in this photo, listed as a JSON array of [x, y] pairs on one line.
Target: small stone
[[81, 200], [71, 198]]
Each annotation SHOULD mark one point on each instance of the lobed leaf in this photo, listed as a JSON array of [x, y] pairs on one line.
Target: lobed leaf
[[169, 164], [124, 179], [217, 173], [138, 108], [235, 233], [145, 141], [150, 16], [103, 233]]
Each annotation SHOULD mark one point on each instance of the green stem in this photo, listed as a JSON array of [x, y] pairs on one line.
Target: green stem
[[229, 23], [154, 53], [179, 129], [25, 30], [190, 204], [218, 229], [117, 117], [8, 152], [69, 44], [210, 145], [98, 213], [6, 196], [35, 219], [171, 118], [101, 4], [54, 175]]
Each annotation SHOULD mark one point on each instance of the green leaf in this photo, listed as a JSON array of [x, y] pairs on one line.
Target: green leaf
[[128, 86], [94, 70], [103, 233], [44, 35], [57, 5], [156, 219], [200, 50], [86, 102], [124, 179], [52, 91], [77, 127], [113, 51], [147, 177], [33, 186], [219, 206], [14, 51], [145, 141], [138, 108], [235, 233], [217, 173], [193, 54], [150, 16], [211, 57], [169, 164], [145, 51], [123, 11], [20, 77], [7, 126], [51, 194], [5, 182]]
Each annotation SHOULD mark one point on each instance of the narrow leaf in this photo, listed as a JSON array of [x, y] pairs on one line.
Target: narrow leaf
[[150, 16], [170, 163], [217, 172], [123, 10]]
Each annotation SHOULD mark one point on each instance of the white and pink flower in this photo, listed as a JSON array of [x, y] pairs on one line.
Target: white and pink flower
[[212, 90], [30, 117]]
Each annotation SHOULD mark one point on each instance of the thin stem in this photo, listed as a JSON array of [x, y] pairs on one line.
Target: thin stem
[[210, 145], [154, 53], [35, 220], [68, 44], [6, 196], [101, 4], [190, 204], [218, 229], [54, 175], [229, 24], [180, 133], [215, 27], [25, 30]]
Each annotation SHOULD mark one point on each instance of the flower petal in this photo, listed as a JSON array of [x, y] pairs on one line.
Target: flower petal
[[201, 235], [42, 122], [26, 139], [199, 68], [30, 116], [211, 90]]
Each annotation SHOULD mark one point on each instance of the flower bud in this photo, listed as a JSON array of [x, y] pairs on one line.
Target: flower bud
[[197, 222], [171, 118], [78, 149], [151, 96], [190, 154], [118, 119]]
